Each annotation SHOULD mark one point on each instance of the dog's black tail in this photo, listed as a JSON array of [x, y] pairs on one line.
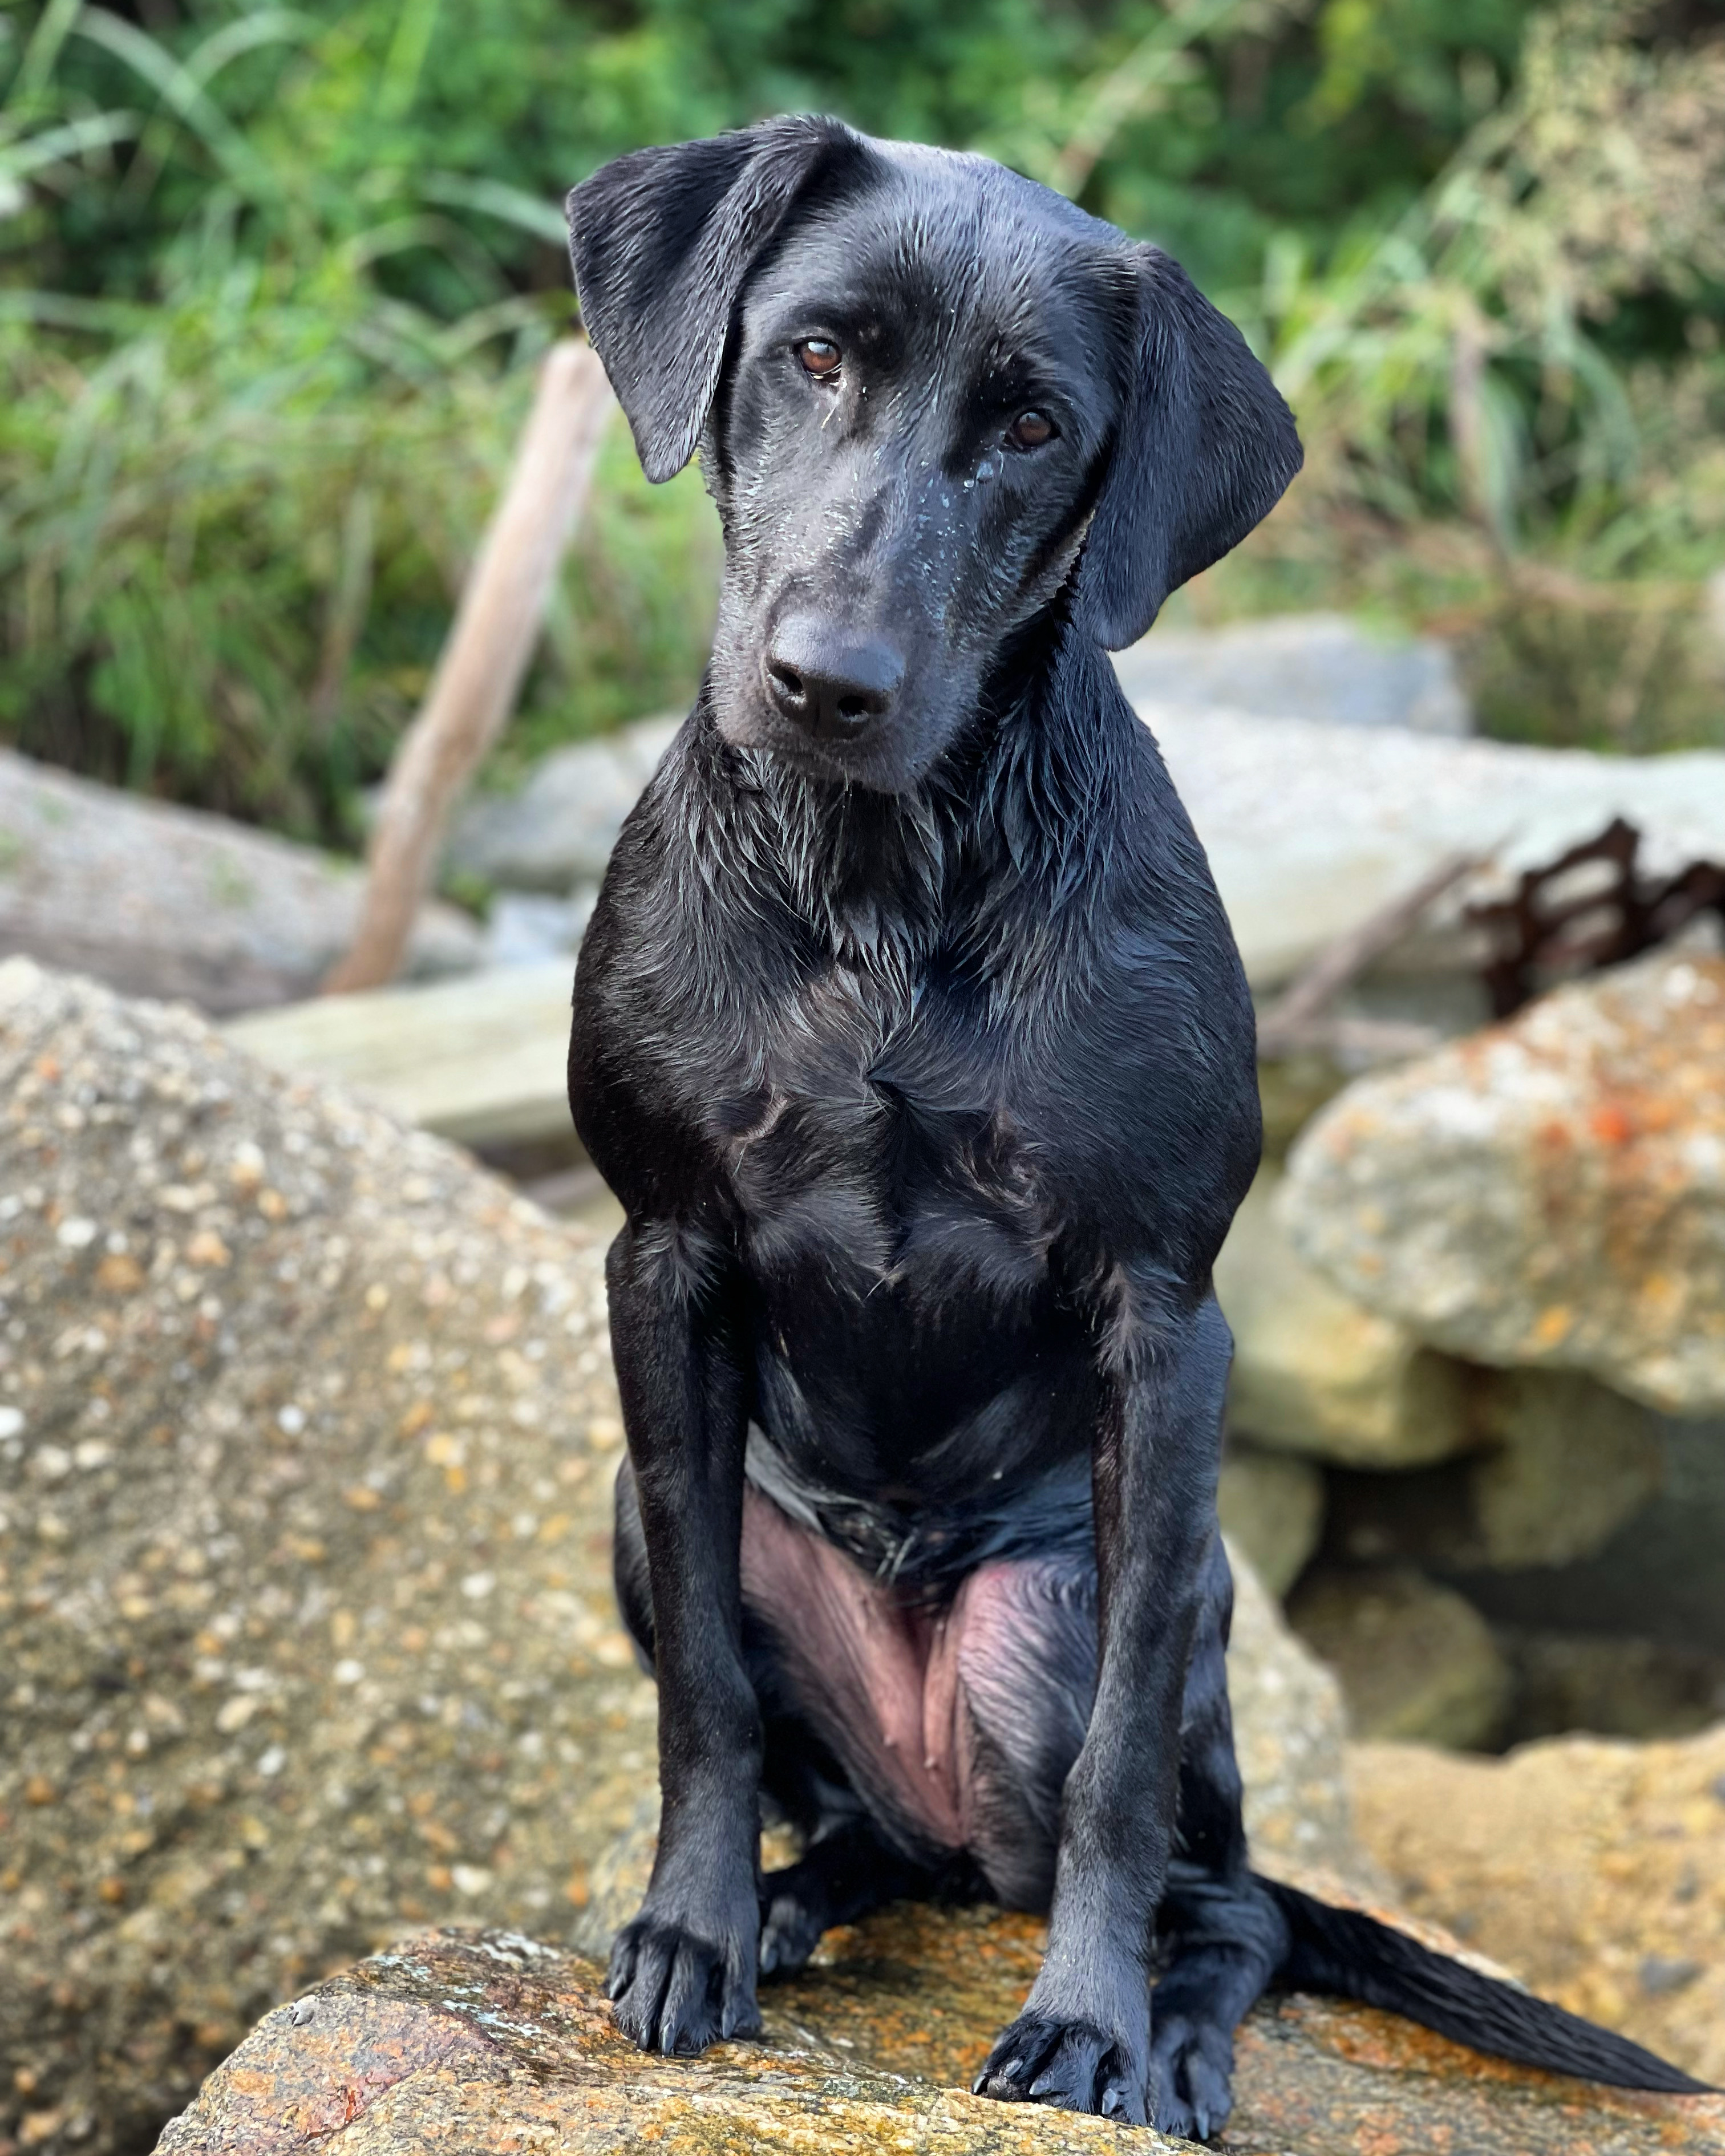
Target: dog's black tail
[[1354, 1956]]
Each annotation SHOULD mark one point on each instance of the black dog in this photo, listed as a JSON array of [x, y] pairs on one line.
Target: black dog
[[909, 1032]]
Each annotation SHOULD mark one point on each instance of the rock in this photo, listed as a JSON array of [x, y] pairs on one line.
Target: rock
[[1272, 1510], [525, 928], [1317, 1373], [1590, 1867], [1570, 1462], [489, 2040], [1289, 1732], [559, 829], [1608, 1686], [1322, 666], [160, 901], [1414, 1659], [306, 1629], [1309, 827], [1550, 1192], [1563, 1466]]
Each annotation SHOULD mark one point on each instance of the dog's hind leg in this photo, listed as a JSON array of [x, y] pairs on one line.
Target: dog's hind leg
[[1226, 1936], [843, 1876]]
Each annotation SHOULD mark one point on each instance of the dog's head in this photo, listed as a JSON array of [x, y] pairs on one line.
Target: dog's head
[[935, 402]]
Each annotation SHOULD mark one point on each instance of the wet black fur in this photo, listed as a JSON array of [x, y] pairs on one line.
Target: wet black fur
[[923, 1066]]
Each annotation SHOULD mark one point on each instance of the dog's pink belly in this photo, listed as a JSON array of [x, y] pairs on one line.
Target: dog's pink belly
[[921, 1708]]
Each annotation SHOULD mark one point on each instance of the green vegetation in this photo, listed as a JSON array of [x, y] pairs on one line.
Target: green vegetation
[[273, 281]]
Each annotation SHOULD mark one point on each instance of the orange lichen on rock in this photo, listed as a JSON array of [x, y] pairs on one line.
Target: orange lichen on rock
[[1570, 1161]]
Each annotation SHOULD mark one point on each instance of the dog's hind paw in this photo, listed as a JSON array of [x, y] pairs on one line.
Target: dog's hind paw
[[1068, 2065], [1192, 2068], [794, 1915], [671, 1991]]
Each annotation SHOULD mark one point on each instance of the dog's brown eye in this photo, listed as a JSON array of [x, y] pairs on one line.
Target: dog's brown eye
[[1031, 430], [819, 356]]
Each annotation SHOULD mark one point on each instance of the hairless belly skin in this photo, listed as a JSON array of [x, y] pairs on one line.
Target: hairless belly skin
[[923, 1706]]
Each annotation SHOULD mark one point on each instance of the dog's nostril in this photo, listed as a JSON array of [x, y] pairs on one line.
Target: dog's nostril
[[857, 707], [788, 682]]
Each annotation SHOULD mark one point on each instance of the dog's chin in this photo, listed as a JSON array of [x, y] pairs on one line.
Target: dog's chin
[[890, 764]]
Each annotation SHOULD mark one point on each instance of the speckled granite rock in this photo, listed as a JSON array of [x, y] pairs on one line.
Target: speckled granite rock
[[1289, 1730], [1315, 1371], [1595, 1870], [1550, 1192], [305, 1622], [161, 900], [492, 2042]]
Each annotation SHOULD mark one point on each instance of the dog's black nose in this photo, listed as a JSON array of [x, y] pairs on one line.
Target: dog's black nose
[[833, 686]]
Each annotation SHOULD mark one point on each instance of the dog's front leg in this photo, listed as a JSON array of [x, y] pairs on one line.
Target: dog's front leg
[[683, 1973], [1083, 2040]]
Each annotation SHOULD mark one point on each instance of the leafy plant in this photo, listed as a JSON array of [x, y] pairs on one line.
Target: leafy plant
[[273, 281]]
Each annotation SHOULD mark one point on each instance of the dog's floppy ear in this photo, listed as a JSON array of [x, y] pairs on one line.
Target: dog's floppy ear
[[661, 241], [1205, 449]]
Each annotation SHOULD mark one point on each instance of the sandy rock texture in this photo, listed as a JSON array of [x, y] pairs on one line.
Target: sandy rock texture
[[306, 1631], [1594, 1870], [161, 900], [1550, 1192], [492, 2041]]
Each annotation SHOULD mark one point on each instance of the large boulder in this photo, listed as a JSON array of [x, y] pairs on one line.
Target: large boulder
[[305, 1626], [1324, 666], [160, 901], [1311, 827], [489, 2040], [1595, 1870], [1550, 1192]]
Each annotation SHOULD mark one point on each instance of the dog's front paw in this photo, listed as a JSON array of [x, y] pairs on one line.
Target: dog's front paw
[[673, 1990], [1071, 2064], [1194, 2072]]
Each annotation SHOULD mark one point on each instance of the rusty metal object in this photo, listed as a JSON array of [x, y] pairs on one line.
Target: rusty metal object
[[1542, 933]]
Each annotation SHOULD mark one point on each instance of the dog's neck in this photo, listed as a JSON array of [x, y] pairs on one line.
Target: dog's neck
[[1004, 836]]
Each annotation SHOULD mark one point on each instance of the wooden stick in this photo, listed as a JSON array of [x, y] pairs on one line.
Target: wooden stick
[[1292, 1021], [479, 673]]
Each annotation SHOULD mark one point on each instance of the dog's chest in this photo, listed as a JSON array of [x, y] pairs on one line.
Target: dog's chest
[[881, 1153]]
